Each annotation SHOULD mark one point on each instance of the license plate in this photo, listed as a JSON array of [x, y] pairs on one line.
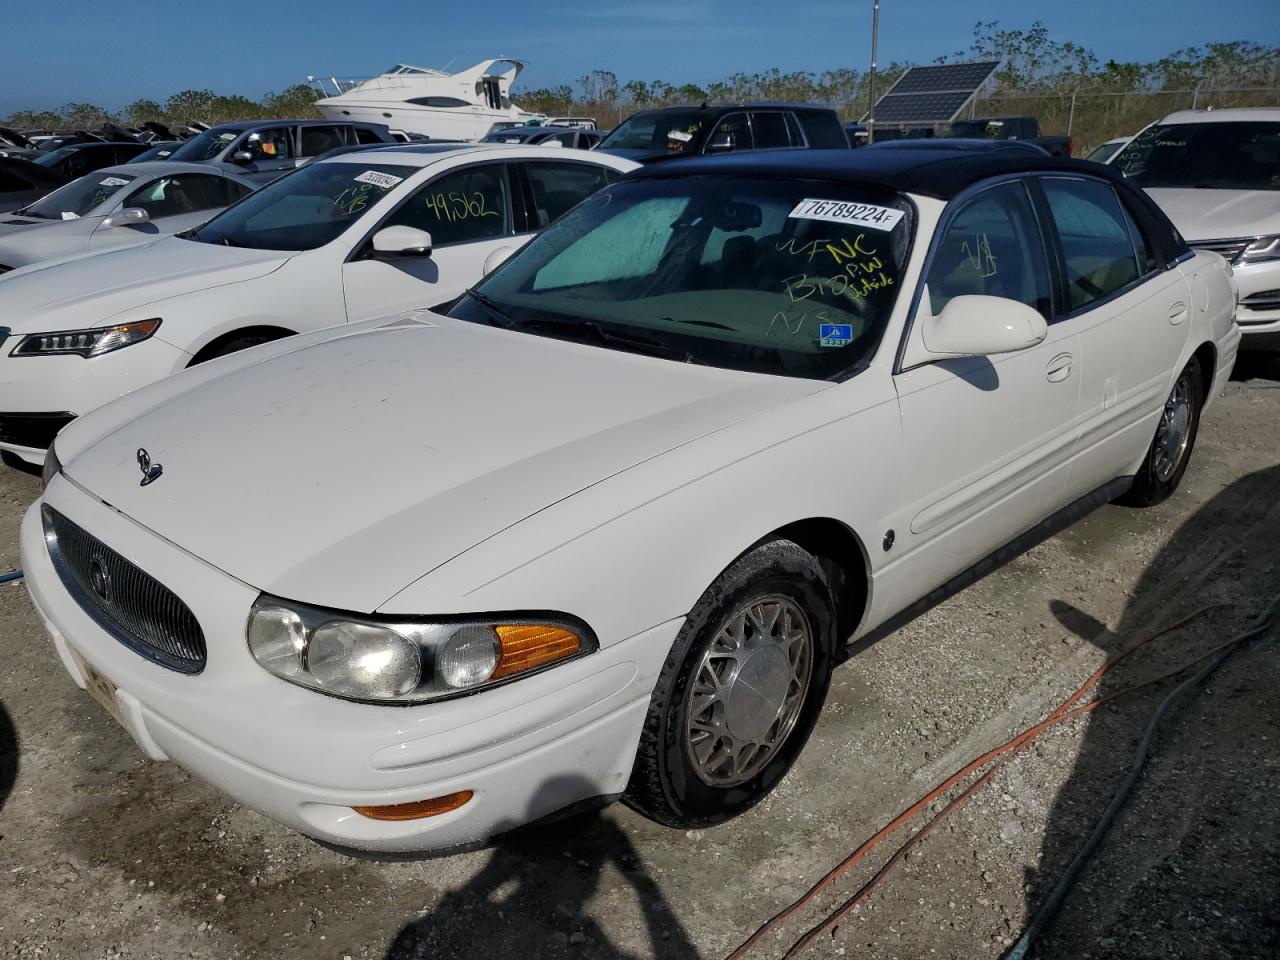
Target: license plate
[[99, 687]]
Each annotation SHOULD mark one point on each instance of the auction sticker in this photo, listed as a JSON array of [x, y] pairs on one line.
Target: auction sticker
[[384, 180], [840, 211], [112, 182], [679, 136], [835, 334]]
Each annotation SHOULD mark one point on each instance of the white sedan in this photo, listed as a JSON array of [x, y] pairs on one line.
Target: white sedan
[[602, 529], [121, 206], [355, 236]]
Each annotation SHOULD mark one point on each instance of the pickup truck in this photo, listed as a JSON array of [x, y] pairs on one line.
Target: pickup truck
[[1008, 128]]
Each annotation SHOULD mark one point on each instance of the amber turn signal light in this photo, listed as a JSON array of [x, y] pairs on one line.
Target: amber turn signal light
[[418, 810], [529, 646]]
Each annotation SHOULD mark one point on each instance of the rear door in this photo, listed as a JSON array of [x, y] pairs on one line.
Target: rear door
[[470, 212], [987, 440], [1133, 315]]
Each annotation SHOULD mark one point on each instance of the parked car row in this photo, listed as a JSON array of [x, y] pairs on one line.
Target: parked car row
[[521, 478]]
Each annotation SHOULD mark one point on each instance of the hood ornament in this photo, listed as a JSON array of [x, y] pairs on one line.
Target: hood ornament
[[150, 471]]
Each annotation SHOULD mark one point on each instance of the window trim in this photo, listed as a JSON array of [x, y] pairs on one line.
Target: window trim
[[362, 249], [1069, 313], [954, 206]]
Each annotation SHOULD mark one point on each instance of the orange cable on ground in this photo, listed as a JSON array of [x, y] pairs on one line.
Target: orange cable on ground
[[1063, 712]]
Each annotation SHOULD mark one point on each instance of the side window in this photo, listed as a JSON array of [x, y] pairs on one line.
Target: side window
[[731, 133], [823, 129], [84, 161], [793, 129], [186, 193], [463, 206], [1147, 262], [558, 187], [267, 145], [365, 135], [318, 140], [1096, 243], [769, 130], [992, 247]]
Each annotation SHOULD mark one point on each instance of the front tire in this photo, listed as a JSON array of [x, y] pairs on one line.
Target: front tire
[[1175, 438], [740, 691]]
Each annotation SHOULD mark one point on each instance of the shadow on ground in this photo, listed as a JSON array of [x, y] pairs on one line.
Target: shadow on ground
[[1191, 868], [8, 755], [532, 899]]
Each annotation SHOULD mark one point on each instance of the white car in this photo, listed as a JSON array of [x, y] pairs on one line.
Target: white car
[[1216, 173], [121, 206], [603, 528], [354, 236]]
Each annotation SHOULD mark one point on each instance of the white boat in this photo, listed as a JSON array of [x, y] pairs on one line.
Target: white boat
[[443, 106]]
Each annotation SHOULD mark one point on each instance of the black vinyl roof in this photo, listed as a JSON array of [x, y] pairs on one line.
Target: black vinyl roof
[[932, 172]]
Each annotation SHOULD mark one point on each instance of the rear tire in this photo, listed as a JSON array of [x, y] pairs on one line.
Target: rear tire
[[740, 691], [1175, 438]]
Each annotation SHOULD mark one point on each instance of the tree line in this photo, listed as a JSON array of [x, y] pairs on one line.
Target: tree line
[[1061, 82]]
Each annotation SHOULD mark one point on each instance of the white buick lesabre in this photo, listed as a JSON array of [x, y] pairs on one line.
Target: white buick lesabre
[[602, 529]]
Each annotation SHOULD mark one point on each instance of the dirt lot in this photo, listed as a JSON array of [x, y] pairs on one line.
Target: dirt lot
[[106, 855]]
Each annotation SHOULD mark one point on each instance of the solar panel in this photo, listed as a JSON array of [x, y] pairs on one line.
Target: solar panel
[[937, 94]]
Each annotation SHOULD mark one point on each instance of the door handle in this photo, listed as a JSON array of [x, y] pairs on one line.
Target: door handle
[[1177, 313], [1059, 368]]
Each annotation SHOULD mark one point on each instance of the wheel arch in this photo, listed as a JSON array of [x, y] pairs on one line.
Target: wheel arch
[[843, 555], [271, 331], [1207, 354]]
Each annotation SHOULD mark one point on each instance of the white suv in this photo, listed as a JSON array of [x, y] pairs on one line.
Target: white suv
[[1216, 173]]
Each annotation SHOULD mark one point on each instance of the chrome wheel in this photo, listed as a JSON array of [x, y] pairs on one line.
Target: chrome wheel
[[748, 690], [1174, 432]]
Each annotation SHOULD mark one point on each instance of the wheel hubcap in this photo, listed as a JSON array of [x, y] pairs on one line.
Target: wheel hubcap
[[1174, 432], [748, 690]]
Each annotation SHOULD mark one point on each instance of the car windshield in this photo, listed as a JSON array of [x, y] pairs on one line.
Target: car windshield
[[305, 209], [1226, 155], [78, 197], [206, 146], [53, 157], [671, 130], [796, 278]]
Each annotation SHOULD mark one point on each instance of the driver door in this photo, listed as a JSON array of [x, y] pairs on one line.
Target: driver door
[[470, 212], [987, 440], [271, 154]]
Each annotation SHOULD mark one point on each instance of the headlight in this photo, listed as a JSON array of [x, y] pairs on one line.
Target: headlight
[[1262, 250], [52, 467], [92, 342], [391, 660]]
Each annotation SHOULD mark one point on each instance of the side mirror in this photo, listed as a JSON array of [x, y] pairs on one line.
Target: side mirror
[[973, 326], [242, 156], [496, 259], [401, 242], [128, 217], [721, 141]]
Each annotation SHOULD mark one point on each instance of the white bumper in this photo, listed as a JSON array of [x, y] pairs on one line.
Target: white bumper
[[1259, 311], [526, 749], [75, 385]]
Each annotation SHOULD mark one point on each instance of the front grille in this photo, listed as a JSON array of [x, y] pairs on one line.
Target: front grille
[[1231, 249], [134, 607], [1265, 300], [32, 429]]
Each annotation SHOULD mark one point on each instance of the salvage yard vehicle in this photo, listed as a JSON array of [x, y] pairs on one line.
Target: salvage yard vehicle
[[1216, 173], [346, 238], [1023, 129], [604, 527], [77, 159], [121, 206], [548, 136], [670, 132], [22, 182], [263, 150]]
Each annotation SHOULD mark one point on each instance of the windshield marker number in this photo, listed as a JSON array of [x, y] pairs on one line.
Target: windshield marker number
[[838, 211], [384, 180]]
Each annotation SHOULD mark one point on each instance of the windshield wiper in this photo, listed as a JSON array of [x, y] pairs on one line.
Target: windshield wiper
[[495, 312], [637, 343]]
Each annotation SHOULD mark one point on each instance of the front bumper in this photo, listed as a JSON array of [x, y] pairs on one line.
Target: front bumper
[[1259, 309], [46, 388], [526, 749]]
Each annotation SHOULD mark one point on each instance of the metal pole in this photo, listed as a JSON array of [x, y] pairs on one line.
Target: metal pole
[[1195, 96], [1071, 115], [875, 36]]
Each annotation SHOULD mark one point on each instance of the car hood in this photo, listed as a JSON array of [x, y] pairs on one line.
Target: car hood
[[85, 291], [341, 472], [29, 241], [1203, 214], [15, 224]]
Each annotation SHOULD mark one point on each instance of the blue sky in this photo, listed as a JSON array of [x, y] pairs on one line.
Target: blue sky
[[113, 53]]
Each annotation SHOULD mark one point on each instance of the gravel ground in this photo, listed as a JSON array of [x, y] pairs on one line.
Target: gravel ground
[[106, 855]]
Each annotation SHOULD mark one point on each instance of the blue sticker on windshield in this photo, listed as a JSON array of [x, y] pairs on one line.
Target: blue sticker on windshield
[[835, 334]]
